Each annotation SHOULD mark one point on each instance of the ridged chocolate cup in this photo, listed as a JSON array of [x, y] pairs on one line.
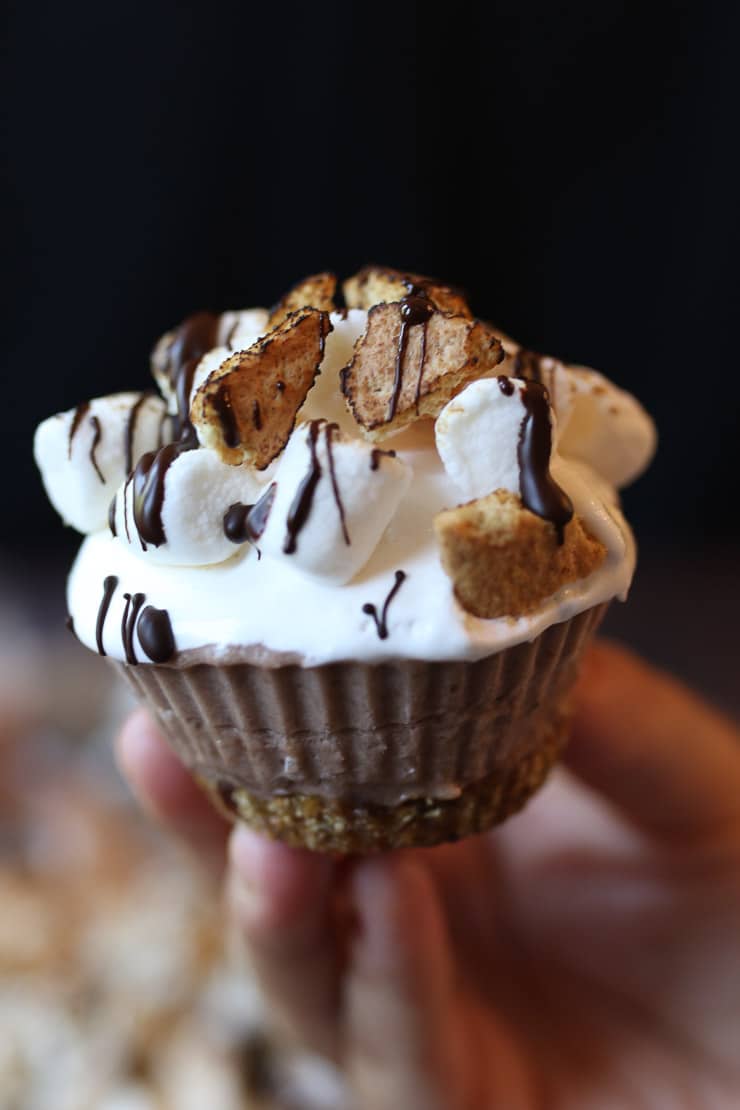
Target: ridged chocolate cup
[[357, 757]]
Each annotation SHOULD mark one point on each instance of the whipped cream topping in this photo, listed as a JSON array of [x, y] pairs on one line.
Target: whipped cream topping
[[330, 553]]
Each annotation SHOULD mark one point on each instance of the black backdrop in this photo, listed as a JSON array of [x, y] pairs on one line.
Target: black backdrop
[[567, 163]]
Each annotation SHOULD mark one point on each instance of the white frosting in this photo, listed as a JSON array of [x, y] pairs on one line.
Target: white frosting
[[344, 524], [310, 604], [80, 477]]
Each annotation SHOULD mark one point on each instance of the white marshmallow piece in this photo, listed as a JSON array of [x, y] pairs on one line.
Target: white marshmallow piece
[[198, 491], [82, 453], [605, 427], [477, 435], [356, 505], [325, 399]]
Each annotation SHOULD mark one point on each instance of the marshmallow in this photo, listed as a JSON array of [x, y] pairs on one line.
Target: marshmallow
[[325, 398], [334, 532], [239, 330], [83, 454], [198, 491], [605, 427], [477, 435]]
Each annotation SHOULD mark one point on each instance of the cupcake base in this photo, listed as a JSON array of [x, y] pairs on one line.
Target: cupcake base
[[359, 757], [330, 825]]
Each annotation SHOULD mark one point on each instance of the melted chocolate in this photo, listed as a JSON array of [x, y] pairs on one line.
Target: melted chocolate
[[257, 416], [416, 308], [506, 385], [128, 624], [192, 339], [97, 432], [377, 454], [112, 515], [381, 622], [148, 477], [225, 413], [330, 429], [539, 491], [109, 588], [256, 520], [528, 364], [155, 634], [301, 504], [77, 418], [130, 430], [235, 522]]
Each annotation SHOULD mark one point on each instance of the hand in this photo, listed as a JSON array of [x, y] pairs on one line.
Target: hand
[[586, 955]]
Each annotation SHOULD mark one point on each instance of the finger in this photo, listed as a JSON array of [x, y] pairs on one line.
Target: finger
[[653, 748], [398, 1000], [166, 790], [282, 903]]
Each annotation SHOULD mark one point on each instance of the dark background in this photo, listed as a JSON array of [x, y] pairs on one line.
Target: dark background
[[568, 163]]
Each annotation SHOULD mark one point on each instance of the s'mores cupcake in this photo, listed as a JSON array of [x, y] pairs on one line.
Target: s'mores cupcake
[[350, 557]]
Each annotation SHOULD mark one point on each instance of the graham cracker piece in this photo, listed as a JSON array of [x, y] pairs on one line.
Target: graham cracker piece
[[316, 291], [504, 561], [381, 285], [437, 360], [245, 410]]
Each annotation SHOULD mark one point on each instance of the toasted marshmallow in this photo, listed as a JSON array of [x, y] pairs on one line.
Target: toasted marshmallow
[[83, 454], [333, 500], [605, 427], [198, 491], [325, 399], [477, 435]]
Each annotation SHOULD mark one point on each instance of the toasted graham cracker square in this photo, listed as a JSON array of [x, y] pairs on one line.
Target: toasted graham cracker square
[[504, 561], [316, 291], [245, 410], [394, 379], [381, 284]]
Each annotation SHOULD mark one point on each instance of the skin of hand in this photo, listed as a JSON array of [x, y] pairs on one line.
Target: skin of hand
[[586, 955]]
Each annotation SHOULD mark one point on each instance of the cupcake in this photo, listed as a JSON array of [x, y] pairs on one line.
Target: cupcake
[[350, 557]]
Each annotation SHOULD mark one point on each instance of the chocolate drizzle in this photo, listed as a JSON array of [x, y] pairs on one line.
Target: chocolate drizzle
[[506, 385], [256, 520], [416, 308], [301, 504], [148, 500], [112, 515], [527, 364], [128, 624], [77, 418], [225, 413], [130, 430], [155, 634], [377, 454], [330, 429], [381, 622], [97, 432], [110, 585], [235, 522], [191, 340], [539, 491]]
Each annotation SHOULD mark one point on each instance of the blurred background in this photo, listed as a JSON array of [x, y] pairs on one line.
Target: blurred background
[[569, 164]]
